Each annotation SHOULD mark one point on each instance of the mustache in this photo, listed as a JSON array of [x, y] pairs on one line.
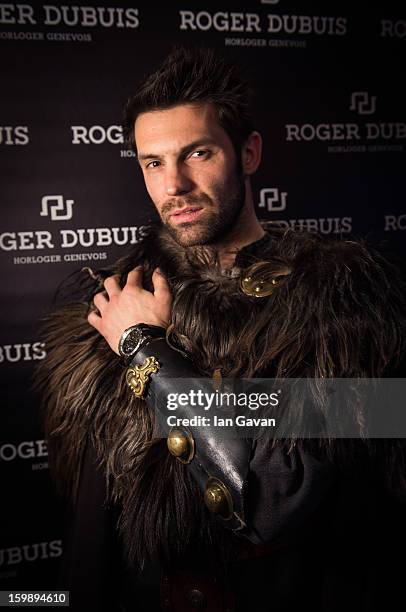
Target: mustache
[[191, 200]]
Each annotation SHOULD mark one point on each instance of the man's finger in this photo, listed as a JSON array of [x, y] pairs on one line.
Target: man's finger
[[94, 320], [100, 301], [160, 283], [134, 278], [112, 286]]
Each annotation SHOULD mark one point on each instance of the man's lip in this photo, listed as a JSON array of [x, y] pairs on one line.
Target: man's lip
[[180, 211]]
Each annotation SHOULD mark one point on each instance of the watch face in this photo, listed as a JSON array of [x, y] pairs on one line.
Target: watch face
[[132, 342]]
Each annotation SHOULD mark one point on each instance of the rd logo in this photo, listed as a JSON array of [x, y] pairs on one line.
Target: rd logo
[[58, 208], [272, 199], [362, 103]]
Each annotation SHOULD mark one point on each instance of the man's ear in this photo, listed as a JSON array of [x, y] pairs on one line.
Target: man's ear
[[251, 153]]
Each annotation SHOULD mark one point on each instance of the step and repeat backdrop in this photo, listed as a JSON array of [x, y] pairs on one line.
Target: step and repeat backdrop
[[330, 105]]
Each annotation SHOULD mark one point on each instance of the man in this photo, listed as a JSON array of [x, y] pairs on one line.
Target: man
[[186, 518]]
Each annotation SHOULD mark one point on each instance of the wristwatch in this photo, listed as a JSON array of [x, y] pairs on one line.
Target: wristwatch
[[137, 336]]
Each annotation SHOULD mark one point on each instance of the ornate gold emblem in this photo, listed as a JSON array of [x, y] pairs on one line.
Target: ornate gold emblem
[[137, 376], [218, 498], [259, 280], [181, 444]]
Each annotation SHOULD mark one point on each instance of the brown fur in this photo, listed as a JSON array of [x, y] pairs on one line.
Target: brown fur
[[338, 313]]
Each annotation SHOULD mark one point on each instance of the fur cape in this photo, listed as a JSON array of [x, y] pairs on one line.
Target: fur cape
[[340, 312]]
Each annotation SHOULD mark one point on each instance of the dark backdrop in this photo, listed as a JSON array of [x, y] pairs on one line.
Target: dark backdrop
[[330, 106]]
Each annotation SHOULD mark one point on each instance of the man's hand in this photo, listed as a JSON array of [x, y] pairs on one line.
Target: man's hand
[[131, 305]]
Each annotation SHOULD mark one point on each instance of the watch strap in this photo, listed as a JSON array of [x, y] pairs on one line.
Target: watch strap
[[142, 334]]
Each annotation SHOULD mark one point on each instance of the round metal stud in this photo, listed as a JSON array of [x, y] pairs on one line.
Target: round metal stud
[[218, 498], [181, 444]]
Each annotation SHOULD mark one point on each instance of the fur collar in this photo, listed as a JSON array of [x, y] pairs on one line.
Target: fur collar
[[340, 312]]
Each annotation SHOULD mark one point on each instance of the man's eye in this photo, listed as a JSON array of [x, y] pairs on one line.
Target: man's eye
[[200, 153], [153, 164]]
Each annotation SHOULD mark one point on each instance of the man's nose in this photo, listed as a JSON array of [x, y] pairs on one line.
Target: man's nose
[[177, 181]]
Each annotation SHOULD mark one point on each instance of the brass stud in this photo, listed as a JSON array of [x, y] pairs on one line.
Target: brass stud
[[259, 280], [218, 498], [181, 444]]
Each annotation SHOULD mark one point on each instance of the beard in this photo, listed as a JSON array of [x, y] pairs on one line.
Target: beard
[[219, 217]]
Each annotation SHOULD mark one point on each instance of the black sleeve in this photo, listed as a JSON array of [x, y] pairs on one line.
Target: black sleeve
[[264, 489], [284, 488]]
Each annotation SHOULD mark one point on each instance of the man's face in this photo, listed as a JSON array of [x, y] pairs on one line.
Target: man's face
[[190, 171]]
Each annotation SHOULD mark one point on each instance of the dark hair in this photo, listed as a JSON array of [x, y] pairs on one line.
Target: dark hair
[[195, 75]]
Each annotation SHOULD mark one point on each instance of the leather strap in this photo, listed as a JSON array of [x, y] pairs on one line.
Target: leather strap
[[215, 456]]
